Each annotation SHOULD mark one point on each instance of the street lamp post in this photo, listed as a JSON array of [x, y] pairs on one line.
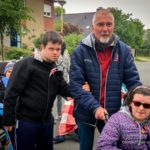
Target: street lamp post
[[62, 3]]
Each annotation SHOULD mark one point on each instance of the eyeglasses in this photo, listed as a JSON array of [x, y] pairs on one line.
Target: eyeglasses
[[138, 104]]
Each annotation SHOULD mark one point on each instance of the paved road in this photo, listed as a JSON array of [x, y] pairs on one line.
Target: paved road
[[144, 71], [71, 143]]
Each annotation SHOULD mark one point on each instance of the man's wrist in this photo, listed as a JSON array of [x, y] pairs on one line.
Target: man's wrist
[[96, 110]]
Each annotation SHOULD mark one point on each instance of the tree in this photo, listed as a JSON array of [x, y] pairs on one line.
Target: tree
[[12, 14], [72, 41], [57, 11], [147, 39], [57, 25], [128, 29]]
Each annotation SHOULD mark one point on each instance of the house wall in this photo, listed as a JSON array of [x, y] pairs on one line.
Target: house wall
[[40, 24], [49, 21], [35, 27]]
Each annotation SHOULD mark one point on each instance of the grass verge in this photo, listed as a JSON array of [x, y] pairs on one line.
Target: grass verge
[[142, 58]]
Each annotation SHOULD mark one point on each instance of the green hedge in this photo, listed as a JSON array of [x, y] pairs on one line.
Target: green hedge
[[72, 41], [16, 53], [143, 52]]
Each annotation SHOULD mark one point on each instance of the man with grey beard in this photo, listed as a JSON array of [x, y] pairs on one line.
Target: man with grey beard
[[105, 63]]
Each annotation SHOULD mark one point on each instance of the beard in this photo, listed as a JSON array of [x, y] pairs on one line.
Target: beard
[[104, 40]]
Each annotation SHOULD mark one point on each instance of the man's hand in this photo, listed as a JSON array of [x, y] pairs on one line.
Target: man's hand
[[100, 113], [69, 98], [8, 128], [86, 87]]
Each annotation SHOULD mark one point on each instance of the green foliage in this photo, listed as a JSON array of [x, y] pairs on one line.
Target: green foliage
[[129, 30], [147, 39], [12, 14], [16, 53], [72, 41], [37, 41], [143, 52], [142, 59], [57, 25], [57, 11]]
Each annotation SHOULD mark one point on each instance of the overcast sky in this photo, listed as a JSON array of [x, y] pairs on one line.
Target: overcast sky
[[139, 8]]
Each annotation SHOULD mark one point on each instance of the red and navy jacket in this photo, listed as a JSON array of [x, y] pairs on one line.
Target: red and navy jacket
[[85, 67]]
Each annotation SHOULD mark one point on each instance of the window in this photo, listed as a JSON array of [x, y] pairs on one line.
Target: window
[[47, 10]]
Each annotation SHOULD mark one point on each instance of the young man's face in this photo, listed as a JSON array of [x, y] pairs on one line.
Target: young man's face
[[51, 51]]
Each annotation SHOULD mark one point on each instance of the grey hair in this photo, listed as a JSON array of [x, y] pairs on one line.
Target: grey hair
[[100, 10]]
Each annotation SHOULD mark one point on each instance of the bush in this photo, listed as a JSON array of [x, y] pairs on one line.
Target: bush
[[70, 28], [72, 41], [37, 41], [143, 52], [57, 25], [16, 53]]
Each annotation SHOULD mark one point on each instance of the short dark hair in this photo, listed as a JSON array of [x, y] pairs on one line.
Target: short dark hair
[[51, 36]]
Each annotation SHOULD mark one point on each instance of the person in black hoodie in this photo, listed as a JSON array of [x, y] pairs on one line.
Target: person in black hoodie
[[30, 95]]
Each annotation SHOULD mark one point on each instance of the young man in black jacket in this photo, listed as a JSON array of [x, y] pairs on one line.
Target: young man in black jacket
[[30, 95]]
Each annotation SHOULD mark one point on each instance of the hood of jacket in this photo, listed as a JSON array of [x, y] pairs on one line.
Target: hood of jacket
[[126, 111], [56, 66]]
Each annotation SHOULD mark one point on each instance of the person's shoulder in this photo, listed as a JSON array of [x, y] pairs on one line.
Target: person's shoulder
[[82, 49], [123, 44], [26, 59]]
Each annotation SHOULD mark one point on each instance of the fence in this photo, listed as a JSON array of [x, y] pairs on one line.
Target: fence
[[142, 52]]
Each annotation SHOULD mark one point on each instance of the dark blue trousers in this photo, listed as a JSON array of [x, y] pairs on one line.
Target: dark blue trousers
[[34, 136], [86, 134]]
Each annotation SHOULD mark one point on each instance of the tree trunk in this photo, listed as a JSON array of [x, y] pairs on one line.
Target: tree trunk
[[2, 45]]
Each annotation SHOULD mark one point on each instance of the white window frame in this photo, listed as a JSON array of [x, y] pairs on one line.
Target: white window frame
[[47, 10]]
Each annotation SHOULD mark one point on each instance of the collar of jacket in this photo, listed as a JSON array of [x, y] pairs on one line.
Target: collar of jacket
[[90, 40], [56, 66], [127, 112], [102, 46]]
